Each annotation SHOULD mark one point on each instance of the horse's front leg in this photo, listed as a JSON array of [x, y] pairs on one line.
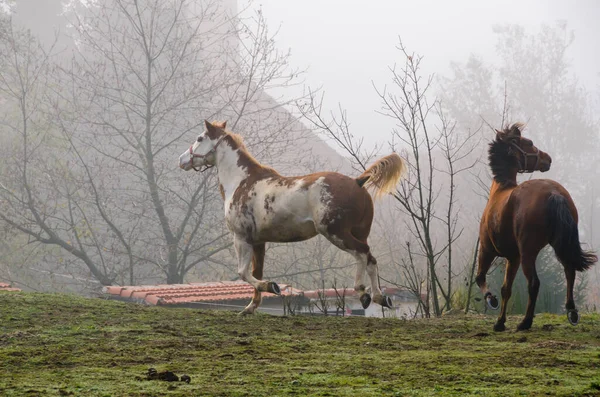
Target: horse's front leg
[[244, 253], [258, 260], [512, 266], [486, 257]]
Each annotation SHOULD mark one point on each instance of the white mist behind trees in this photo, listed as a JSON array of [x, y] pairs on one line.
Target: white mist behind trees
[[105, 118], [94, 136]]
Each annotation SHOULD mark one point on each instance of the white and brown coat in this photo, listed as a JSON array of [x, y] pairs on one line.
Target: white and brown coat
[[263, 206]]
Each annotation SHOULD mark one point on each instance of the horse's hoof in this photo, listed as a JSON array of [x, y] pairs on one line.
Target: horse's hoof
[[525, 325], [573, 317], [499, 327], [383, 300], [387, 302], [245, 312], [365, 300], [492, 301], [273, 288]]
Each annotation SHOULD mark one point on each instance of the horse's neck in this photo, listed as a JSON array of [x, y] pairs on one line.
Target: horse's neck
[[500, 190], [234, 166]]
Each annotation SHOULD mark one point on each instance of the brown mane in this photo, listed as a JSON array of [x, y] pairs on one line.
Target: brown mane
[[236, 141], [501, 159]]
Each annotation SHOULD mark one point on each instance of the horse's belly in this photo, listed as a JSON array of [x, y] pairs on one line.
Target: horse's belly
[[284, 215], [285, 232]]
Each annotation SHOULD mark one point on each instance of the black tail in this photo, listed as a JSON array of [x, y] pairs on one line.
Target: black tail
[[564, 236]]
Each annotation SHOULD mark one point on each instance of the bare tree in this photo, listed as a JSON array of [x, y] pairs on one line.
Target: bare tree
[[455, 149], [322, 303], [340, 298], [471, 280], [407, 103], [145, 75], [35, 180]]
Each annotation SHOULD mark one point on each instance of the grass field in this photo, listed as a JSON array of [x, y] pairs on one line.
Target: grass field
[[64, 345]]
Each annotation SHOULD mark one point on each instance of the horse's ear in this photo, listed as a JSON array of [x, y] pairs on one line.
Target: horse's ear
[[510, 136], [220, 124], [208, 125], [515, 130]]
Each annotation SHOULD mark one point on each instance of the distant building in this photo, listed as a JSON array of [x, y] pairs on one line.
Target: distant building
[[5, 287], [235, 295], [404, 302]]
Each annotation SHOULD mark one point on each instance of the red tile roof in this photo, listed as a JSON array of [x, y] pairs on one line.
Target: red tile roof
[[172, 294], [8, 288]]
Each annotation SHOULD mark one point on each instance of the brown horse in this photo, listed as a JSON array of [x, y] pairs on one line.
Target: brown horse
[[262, 206], [520, 220]]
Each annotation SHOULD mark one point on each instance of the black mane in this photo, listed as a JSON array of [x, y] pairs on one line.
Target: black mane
[[502, 162]]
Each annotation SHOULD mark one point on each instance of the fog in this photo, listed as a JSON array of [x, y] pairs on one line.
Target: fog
[[346, 41], [98, 105]]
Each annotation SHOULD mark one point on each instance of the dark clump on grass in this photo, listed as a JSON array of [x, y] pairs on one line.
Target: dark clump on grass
[[56, 345]]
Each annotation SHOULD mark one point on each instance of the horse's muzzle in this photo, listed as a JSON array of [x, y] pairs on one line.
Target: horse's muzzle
[[546, 162], [185, 162]]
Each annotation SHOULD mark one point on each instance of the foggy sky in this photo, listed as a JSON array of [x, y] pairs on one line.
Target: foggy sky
[[348, 44]]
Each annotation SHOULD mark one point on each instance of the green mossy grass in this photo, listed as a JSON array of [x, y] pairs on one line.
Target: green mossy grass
[[58, 345]]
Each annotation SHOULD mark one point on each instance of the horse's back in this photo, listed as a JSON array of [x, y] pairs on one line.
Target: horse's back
[[530, 205], [531, 197], [520, 215]]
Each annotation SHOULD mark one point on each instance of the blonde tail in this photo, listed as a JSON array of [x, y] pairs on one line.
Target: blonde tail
[[383, 175]]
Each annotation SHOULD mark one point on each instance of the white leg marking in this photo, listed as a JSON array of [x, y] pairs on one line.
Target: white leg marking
[[252, 306], [361, 267], [373, 272]]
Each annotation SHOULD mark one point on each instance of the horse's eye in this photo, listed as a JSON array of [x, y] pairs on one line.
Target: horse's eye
[[200, 139]]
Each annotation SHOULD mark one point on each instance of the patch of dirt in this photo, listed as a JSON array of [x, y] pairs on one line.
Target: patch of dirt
[[166, 376], [547, 327], [558, 345], [17, 335]]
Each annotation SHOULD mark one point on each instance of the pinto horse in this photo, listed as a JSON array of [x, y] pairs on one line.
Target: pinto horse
[[262, 206], [521, 219]]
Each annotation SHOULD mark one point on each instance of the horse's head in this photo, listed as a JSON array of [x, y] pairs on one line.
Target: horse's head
[[203, 151], [529, 157]]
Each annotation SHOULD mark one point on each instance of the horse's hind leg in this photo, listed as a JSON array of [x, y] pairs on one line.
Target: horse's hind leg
[[258, 260], [533, 286], [369, 263], [359, 280], [365, 261], [572, 314], [373, 272], [512, 266]]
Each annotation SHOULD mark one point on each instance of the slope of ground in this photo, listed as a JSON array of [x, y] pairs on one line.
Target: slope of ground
[[65, 345]]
